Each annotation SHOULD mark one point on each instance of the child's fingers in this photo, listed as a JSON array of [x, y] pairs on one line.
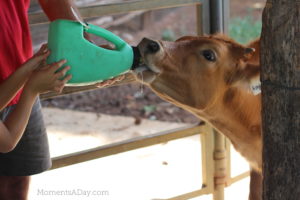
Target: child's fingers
[[60, 84], [42, 50], [38, 58], [42, 56], [66, 79], [62, 72], [58, 87], [35, 61], [57, 65]]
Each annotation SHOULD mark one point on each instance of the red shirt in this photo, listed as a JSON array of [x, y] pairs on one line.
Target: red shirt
[[15, 40]]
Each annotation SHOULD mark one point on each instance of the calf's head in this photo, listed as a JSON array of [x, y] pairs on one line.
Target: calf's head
[[195, 72]]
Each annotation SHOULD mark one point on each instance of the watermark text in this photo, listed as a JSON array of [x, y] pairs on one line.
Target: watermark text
[[72, 192]]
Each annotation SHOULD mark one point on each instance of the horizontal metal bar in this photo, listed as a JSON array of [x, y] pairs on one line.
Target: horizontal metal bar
[[118, 8], [124, 146], [237, 178]]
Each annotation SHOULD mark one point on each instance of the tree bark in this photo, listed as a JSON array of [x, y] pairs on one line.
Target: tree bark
[[280, 75]]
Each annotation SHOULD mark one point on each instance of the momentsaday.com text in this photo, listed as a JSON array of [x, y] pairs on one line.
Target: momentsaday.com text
[[73, 192]]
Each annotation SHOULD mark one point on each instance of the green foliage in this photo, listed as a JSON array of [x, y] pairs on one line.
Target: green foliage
[[168, 35], [149, 108], [243, 30]]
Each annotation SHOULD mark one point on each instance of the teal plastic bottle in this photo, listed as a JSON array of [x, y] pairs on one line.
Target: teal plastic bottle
[[89, 62]]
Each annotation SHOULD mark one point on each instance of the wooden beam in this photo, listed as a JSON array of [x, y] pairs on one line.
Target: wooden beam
[[207, 151], [119, 8], [124, 146], [191, 195], [237, 178]]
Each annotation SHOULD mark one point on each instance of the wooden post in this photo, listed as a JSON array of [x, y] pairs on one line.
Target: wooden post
[[208, 167], [220, 166], [280, 60]]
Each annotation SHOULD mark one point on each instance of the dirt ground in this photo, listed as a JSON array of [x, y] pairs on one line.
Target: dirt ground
[[133, 99], [156, 172]]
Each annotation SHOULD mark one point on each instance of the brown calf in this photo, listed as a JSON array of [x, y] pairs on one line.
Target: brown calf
[[210, 77]]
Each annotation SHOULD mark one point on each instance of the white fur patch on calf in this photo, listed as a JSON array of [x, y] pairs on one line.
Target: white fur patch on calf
[[255, 85]]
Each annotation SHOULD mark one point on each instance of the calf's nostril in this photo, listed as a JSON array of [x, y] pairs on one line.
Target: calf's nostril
[[153, 47]]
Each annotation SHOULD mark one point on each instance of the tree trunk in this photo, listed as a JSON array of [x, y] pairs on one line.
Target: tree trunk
[[280, 61]]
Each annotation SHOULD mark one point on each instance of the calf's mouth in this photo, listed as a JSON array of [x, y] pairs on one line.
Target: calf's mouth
[[144, 66]]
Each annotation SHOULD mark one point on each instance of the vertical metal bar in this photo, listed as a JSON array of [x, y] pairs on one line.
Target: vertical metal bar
[[216, 16], [219, 15]]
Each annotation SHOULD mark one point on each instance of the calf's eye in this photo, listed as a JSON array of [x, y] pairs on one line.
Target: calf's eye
[[209, 55]]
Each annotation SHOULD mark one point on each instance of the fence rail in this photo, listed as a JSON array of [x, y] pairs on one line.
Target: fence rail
[[124, 146], [215, 158]]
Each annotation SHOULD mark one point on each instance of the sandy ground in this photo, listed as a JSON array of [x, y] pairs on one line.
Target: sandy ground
[[156, 172]]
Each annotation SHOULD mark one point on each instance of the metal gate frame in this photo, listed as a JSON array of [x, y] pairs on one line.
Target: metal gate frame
[[212, 16]]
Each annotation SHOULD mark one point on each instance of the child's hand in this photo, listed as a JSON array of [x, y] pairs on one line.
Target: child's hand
[[47, 79], [37, 60]]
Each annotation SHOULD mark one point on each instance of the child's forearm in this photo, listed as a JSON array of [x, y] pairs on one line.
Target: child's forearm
[[16, 122], [58, 9], [12, 85]]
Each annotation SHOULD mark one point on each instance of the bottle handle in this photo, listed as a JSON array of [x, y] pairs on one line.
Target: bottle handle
[[109, 36]]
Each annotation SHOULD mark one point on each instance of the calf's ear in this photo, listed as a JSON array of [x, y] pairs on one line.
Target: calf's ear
[[246, 65], [240, 52], [242, 72], [244, 69], [256, 45], [248, 53], [247, 69]]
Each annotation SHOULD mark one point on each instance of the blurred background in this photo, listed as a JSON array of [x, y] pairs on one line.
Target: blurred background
[[165, 24]]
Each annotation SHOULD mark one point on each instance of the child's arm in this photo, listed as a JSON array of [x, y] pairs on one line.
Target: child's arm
[[58, 9], [40, 81], [12, 129], [10, 87]]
